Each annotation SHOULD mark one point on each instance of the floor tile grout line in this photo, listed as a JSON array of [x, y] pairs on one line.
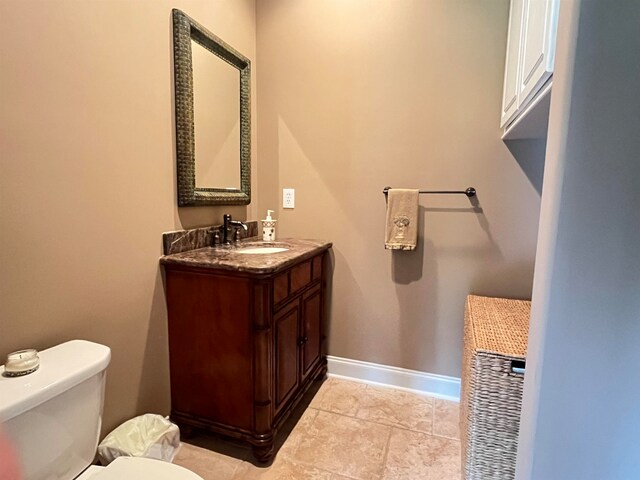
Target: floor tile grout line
[[235, 470], [386, 453], [295, 460], [433, 401], [433, 418], [423, 433], [380, 423], [304, 463], [445, 437]]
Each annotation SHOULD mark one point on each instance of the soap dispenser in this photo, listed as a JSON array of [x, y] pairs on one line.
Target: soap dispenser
[[269, 228]]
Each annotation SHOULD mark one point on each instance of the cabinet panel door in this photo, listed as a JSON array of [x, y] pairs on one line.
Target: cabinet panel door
[[210, 347], [538, 46], [510, 90], [286, 352], [311, 328]]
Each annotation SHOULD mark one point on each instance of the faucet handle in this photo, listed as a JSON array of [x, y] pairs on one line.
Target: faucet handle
[[214, 233]]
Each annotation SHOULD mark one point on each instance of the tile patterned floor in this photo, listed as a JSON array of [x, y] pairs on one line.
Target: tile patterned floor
[[349, 431]]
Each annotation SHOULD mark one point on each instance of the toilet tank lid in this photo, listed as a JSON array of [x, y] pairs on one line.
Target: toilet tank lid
[[61, 367]]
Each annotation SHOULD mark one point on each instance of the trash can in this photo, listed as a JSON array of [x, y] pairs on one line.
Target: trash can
[[148, 436]]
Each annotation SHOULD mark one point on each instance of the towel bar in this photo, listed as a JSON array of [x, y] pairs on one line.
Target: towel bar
[[469, 192]]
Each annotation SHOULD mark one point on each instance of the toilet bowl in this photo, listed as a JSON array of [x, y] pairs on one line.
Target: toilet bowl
[[138, 468], [53, 417]]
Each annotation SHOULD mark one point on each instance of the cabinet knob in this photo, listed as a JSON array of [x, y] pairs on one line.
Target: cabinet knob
[[302, 340]]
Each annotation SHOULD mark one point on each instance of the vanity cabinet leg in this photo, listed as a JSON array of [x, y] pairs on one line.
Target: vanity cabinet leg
[[322, 374], [263, 452]]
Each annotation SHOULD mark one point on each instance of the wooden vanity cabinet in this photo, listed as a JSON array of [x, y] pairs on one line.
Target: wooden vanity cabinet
[[244, 347]]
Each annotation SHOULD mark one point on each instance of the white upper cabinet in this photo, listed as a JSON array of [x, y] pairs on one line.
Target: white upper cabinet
[[530, 53], [538, 46], [510, 91]]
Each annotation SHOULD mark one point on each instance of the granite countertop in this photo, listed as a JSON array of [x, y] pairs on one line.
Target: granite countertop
[[228, 258]]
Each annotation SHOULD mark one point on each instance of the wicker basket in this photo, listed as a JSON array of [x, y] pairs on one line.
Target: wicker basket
[[495, 341]]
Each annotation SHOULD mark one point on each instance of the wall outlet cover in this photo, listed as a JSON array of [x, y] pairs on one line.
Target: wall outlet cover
[[288, 197]]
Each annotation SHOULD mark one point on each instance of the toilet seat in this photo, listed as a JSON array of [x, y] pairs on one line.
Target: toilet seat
[[139, 469]]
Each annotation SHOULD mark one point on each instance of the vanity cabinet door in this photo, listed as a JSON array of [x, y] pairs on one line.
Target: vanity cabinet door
[[286, 324], [210, 347], [311, 330]]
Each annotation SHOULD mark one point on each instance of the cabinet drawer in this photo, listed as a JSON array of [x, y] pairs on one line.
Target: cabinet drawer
[[296, 279], [300, 276]]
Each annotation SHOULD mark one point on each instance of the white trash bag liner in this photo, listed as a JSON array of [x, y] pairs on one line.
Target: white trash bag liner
[[148, 436]]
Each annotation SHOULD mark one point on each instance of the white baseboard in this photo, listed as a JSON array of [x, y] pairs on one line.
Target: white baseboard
[[439, 386]]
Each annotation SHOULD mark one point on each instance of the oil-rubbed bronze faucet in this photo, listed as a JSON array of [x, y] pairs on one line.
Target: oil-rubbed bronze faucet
[[228, 223]]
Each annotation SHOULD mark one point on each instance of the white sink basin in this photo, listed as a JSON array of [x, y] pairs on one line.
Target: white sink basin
[[260, 250]]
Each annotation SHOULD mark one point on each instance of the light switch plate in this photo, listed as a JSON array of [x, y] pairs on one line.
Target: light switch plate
[[288, 197]]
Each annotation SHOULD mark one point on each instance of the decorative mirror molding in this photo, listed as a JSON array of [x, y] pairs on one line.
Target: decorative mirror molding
[[185, 30]]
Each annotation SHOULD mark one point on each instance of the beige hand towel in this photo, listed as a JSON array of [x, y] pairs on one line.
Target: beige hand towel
[[402, 220]]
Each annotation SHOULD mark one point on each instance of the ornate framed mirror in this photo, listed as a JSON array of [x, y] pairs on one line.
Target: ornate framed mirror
[[213, 117]]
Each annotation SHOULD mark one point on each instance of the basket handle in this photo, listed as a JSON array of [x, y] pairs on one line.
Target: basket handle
[[517, 367]]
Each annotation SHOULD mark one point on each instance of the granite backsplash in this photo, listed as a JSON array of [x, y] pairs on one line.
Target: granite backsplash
[[185, 240]]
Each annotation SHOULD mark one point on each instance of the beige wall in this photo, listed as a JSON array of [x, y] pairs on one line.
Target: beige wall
[[87, 176], [353, 96], [358, 95]]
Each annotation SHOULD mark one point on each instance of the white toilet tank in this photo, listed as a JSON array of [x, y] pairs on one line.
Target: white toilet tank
[[53, 416]]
